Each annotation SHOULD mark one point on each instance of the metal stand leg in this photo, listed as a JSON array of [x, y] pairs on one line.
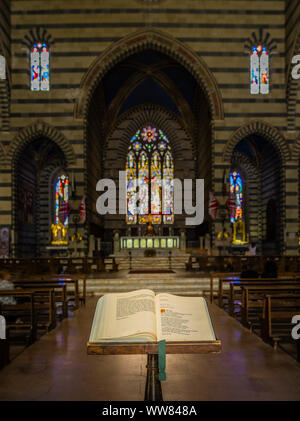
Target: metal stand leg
[[153, 390]]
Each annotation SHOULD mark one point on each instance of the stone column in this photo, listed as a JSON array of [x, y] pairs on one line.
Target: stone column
[[91, 245], [182, 239], [291, 226], [116, 241]]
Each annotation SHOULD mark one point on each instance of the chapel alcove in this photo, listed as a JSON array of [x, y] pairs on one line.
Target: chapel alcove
[[259, 162], [148, 88], [37, 167]]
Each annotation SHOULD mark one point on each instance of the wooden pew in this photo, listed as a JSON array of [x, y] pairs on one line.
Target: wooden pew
[[224, 278], [59, 288], [235, 291], [25, 311], [44, 304], [72, 279], [68, 280], [4, 350], [253, 299], [276, 320]]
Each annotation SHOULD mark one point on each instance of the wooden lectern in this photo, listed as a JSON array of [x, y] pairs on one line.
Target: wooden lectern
[[153, 391]]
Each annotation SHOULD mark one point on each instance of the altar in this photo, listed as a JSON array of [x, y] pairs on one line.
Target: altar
[[149, 242], [154, 246], [143, 243]]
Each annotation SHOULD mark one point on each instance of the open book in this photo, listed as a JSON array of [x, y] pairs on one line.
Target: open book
[[143, 316]]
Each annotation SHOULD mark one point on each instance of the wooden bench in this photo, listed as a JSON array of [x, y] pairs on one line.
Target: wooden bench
[[224, 277], [68, 279], [227, 280], [59, 288], [44, 304], [253, 300], [24, 311], [235, 291], [278, 312]]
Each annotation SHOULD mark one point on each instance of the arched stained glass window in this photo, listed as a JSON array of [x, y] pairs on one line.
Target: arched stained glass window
[[40, 70], [62, 200], [2, 67], [236, 188], [150, 174], [259, 70]]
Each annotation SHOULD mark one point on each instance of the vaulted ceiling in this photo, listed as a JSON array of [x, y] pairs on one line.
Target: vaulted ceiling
[[150, 77]]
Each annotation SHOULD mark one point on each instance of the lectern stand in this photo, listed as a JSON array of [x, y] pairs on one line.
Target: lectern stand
[[153, 390]]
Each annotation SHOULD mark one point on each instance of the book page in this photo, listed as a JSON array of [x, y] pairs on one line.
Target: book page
[[183, 319], [122, 315]]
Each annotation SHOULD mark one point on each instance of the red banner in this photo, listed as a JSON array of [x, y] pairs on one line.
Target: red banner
[[82, 210], [213, 205], [230, 203]]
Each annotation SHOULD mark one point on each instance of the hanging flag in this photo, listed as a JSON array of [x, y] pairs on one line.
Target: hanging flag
[[230, 203], [213, 205], [82, 210], [63, 211]]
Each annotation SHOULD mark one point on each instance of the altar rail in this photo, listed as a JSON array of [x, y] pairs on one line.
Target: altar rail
[[53, 265], [86, 265], [149, 242], [290, 264]]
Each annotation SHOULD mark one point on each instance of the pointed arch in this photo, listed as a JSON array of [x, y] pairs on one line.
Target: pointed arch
[[159, 41], [37, 129], [264, 129], [3, 154], [158, 116], [296, 150]]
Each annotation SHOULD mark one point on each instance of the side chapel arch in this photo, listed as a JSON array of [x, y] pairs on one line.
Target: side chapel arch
[[260, 128], [39, 129], [159, 41]]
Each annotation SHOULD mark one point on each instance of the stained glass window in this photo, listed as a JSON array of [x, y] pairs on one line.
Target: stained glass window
[[40, 70], [259, 70], [2, 67], [150, 174], [236, 188], [62, 200]]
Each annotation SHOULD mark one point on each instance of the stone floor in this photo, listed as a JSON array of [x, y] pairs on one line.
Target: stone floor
[[57, 367]]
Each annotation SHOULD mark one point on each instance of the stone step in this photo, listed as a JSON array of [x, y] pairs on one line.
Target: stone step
[[174, 289], [173, 285], [177, 262]]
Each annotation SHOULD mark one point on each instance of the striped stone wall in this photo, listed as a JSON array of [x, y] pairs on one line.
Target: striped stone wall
[[5, 173], [215, 30], [292, 48], [5, 39], [293, 128]]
